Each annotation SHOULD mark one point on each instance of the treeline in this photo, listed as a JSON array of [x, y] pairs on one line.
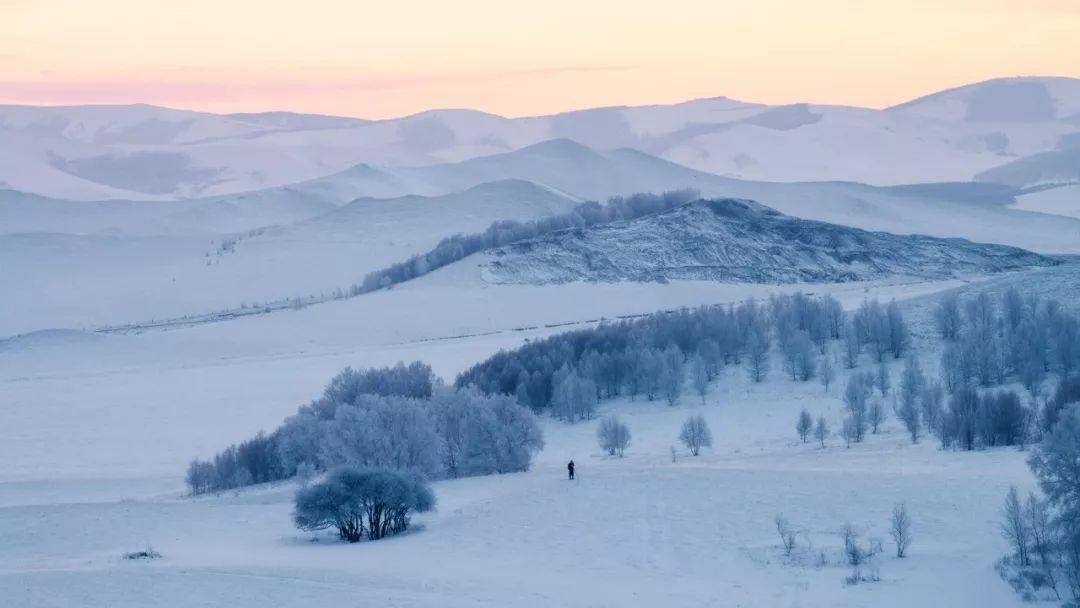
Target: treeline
[[505, 232], [1022, 337], [991, 342], [397, 418], [567, 374]]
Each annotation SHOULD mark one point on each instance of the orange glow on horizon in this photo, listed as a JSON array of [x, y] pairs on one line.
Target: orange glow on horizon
[[383, 58]]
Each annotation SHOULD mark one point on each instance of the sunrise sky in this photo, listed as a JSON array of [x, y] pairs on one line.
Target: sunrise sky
[[383, 58]]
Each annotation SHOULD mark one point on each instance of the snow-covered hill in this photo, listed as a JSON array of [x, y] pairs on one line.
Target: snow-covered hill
[[140, 152], [742, 241], [87, 280]]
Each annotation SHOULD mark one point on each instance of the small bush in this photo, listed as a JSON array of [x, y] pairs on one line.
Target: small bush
[[355, 501]]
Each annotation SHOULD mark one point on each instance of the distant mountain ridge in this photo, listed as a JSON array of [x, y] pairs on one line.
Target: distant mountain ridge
[[732, 240], [143, 152]]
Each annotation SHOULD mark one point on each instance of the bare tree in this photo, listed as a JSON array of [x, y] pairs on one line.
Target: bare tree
[[757, 354], [900, 529], [804, 425], [882, 380], [695, 434], [1040, 525], [821, 431], [1014, 527], [699, 376], [787, 534], [875, 415], [613, 436], [826, 372], [850, 430]]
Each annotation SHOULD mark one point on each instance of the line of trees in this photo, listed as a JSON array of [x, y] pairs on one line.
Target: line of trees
[[989, 342], [654, 356], [1023, 337], [396, 418], [505, 232]]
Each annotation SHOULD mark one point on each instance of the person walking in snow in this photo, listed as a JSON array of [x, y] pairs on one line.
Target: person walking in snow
[[570, 469]]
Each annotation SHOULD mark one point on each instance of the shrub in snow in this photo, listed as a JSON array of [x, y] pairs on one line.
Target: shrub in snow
[[695, 434], [147, 553], [804, 424], [786, 533], [362, 501], [852, 551], [613, 436]]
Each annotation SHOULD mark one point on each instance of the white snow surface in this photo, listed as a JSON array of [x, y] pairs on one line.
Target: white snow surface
[[96, 430]]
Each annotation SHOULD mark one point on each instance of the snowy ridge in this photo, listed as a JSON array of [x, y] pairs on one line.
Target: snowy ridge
[[139, 151], [741, 241]]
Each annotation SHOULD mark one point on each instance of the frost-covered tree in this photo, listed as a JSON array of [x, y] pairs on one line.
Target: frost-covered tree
[[899, 337], [1014, 526], [415, 380], [200, 477], [757, 354], [882, 380], [875, 415], [821, 431], [699, 376], [671, 379], [912, 388], [804, 424], [800, 359], [358, 501], [931, 402], [573, 396], [382, 432], [826, 372], [1056, 464], [856, 396], [852, 346], [613, 435], [947, 316], [695, 434]]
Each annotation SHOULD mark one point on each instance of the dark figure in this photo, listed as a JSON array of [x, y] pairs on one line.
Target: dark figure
[[570, 469]]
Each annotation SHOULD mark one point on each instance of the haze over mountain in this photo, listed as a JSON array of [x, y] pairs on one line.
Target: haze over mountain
[[143, 152]]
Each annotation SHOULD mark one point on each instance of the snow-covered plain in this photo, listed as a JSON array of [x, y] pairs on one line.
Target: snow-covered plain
[[96, 427], [96, 430]]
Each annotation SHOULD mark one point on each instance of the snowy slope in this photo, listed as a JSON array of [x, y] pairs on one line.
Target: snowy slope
[[1060, 200], [641, 530], [733, 240], [88, 280], [139, 152]]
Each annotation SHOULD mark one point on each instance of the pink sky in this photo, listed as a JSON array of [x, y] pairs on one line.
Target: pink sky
[[381, 58]]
